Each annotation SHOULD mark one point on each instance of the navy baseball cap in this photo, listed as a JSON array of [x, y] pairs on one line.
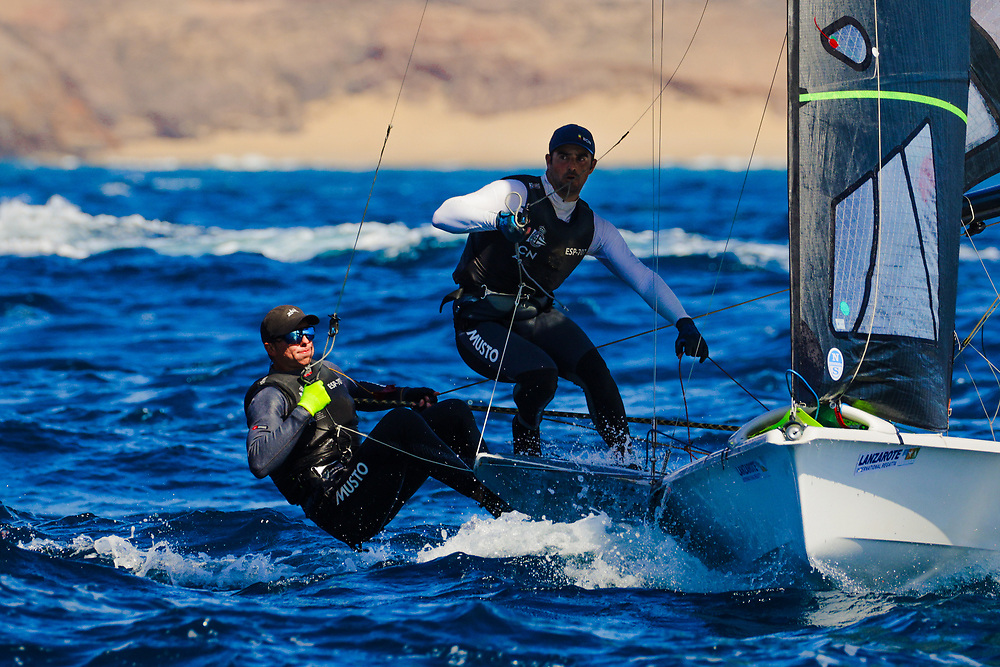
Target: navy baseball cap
[[572, 134]]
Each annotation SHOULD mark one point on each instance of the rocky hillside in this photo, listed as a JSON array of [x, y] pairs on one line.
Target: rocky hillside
[[80, 76]]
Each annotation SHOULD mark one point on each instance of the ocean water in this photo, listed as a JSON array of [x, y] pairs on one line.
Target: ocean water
[[132, 532]]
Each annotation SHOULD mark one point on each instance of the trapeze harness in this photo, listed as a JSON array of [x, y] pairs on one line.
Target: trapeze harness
[[322, 443], [489, 277]]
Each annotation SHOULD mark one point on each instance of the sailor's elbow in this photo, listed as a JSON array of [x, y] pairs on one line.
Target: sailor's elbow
[[257, 463], [260, 472], [441, 221], [449, 218]]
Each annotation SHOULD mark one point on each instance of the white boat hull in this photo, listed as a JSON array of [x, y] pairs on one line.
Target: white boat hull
[[877, 507]]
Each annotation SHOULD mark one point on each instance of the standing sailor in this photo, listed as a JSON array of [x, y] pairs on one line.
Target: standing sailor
[[304, 434], [526, 236]]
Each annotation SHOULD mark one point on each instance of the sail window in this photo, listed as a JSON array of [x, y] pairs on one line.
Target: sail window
[[848, 41], [982, 125], [885, 274]]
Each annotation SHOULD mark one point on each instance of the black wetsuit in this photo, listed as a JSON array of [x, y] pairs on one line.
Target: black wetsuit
[[349, 486], [544, 344]]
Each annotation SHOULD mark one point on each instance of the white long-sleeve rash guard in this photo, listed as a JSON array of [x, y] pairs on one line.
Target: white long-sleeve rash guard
[[477, 212]]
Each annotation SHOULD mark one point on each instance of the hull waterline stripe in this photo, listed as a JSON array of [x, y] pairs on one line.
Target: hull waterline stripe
[[886, 95]]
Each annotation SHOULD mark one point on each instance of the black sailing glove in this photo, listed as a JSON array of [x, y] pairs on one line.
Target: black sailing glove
[[689, 340], [513, 226], [421, 397]]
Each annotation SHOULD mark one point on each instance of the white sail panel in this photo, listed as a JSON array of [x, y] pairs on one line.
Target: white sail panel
[[897, 295], [987, 14], [982, 125], [902, 303], [854, 220]]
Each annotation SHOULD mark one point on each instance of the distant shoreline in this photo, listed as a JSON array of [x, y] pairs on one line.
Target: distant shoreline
[[349, 135]]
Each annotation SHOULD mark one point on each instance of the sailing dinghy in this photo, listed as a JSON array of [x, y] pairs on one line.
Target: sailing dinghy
[[887, 129], [877, 153]]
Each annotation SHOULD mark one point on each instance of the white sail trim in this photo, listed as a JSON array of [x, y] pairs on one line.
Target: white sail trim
[[982, 126], [893, 290]]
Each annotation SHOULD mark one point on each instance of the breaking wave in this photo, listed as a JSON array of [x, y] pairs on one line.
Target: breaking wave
[[60, 228]]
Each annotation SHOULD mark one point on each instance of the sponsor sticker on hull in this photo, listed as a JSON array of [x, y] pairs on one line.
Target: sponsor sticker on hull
[[752, 470], [887, 458]]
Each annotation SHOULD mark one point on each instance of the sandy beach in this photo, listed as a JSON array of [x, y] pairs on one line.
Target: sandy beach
[[349, 134]]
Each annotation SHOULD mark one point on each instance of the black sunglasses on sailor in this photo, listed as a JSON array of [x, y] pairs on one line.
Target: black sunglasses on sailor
[[295, 337]]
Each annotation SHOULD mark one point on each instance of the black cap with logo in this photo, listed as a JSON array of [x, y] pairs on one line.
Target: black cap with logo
[[284, 319]]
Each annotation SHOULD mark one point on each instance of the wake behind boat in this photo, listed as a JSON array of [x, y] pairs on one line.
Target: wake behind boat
[[882, 129]]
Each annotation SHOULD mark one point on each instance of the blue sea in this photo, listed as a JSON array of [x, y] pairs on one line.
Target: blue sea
[[133, 533]]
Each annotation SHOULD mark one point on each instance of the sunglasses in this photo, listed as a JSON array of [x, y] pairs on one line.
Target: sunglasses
[[295, 337]]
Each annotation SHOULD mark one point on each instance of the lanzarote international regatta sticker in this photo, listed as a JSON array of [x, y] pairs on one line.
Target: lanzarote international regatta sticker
[[887, 458]]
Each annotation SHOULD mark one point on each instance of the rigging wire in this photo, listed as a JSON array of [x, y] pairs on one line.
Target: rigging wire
[[696, 317], [746, 172], [979, 328], [503, 354], [739, 200], [990, 419], [368, 437], [560, 414], [986, 315], [334, 318], [658, 100], [876, 54], [659, 95], [656, 127]]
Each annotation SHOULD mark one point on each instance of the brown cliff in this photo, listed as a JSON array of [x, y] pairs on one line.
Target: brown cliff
[[93, 78]]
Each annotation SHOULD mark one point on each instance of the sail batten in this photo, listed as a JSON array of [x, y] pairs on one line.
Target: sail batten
[[877, 136]]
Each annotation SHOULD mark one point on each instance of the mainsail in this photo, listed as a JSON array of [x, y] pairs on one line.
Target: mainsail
[[878, 94]]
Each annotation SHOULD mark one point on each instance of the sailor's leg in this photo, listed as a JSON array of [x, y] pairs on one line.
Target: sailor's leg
[[533, 390], [385, 470], [604, 401], [453, 422], [483, 345], [359, 502], [580, 362], [406, 433]]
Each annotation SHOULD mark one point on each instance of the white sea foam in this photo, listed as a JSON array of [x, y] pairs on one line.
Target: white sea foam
[[61, 228], [161, 560], [679, 243], [593, 553]]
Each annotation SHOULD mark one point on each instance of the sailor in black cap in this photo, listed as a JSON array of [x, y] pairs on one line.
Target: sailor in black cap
[[303, 433], [526, 236]]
